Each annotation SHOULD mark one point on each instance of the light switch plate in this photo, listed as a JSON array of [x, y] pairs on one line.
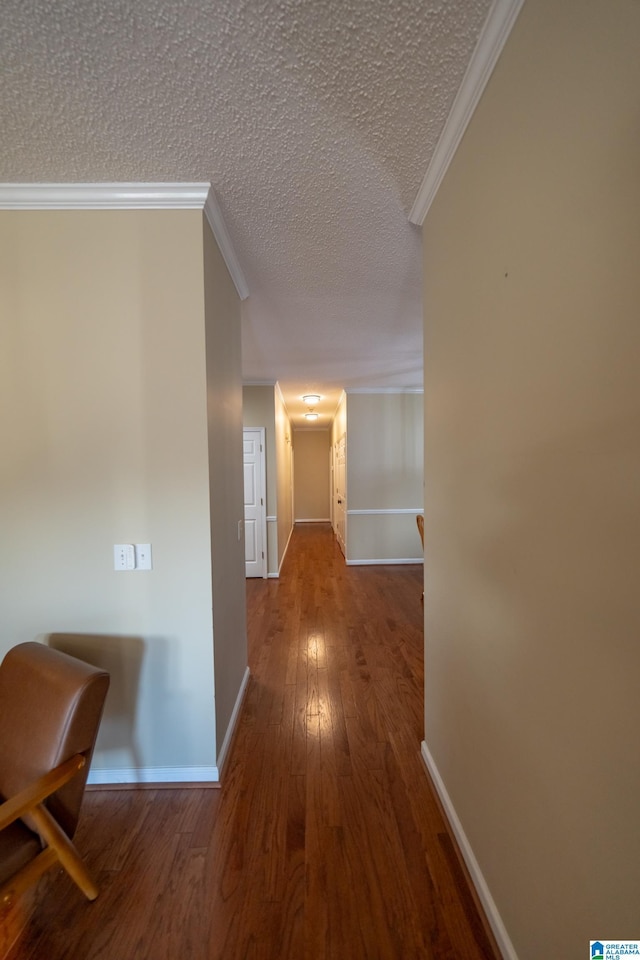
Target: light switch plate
[[124, 557], [143, 556]]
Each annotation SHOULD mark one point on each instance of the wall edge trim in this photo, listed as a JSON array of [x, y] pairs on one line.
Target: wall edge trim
[[382, 511], [480, 884], [494, 35], [284, 552], [233, 720]]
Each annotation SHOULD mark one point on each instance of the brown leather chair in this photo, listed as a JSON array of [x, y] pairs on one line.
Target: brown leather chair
[[50, 709]]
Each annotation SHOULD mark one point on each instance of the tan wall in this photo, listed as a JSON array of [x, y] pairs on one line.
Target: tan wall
[[311, 474], [385, 464], [259, 411], [339, 425], [284, 477], [226, 478], [338, 430], [103, 432], [532, 419]]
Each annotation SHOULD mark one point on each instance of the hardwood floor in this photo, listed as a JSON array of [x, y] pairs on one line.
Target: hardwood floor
[[325, 840]]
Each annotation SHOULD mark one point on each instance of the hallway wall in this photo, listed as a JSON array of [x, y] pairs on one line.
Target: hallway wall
[[104, 434], [258, 410], [385, 464], [226, 479], [284, 475], [311, 474], [532, 459]]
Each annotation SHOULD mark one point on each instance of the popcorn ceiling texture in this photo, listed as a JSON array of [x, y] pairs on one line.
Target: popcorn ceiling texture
[[314, 119]]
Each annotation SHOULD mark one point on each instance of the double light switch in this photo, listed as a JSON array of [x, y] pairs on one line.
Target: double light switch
[[132, 556]]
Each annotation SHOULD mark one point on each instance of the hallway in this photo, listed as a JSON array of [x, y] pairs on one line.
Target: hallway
[[352, 859], [324, 841]]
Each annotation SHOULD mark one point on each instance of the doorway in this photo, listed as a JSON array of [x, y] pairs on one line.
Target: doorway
[[255, 502]]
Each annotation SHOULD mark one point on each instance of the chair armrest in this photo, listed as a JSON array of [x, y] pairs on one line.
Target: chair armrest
[[39, 790]]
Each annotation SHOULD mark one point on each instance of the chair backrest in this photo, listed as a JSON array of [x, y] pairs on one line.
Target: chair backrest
[[50, 709], [420, 522]]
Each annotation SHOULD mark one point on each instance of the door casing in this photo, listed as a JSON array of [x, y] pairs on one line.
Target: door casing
[[255, 502]]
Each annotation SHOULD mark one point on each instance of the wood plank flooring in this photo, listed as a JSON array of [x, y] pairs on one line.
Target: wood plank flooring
[[325, 840]]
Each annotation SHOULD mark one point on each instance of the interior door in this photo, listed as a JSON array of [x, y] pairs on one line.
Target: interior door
[[255, 510], [340, 498]]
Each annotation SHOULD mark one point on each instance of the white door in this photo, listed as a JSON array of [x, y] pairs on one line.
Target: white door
[[255, 508], [340, 499]]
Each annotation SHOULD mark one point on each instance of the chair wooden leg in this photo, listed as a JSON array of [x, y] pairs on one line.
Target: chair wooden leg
[[56, 838]]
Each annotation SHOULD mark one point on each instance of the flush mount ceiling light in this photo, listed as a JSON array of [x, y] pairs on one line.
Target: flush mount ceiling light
[[311, 399], [311, 416]]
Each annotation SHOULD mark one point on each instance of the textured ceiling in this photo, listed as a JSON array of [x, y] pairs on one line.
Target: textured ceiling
[[313, 119]]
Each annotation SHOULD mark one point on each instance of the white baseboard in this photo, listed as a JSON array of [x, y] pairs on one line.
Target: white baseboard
[[125, 775], [234, 719], [384, 560], [132, 775], [480, 884], [284, 552]]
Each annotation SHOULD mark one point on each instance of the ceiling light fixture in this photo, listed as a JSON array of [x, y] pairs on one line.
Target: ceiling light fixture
[[311, 399], [311, 416]]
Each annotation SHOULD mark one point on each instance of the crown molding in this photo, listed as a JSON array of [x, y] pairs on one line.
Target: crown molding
[[278, 389], [103, 196], [388, 390], [498, 26], [129, 196], [213, 213]]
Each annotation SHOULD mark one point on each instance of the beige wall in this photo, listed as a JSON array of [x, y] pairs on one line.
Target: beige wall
[[263, 407], [103, 431], [259, 411], [339, 424], [338, 430], [226, 478], [284, 476], [532, 419], [384, 476], [311, 474]]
